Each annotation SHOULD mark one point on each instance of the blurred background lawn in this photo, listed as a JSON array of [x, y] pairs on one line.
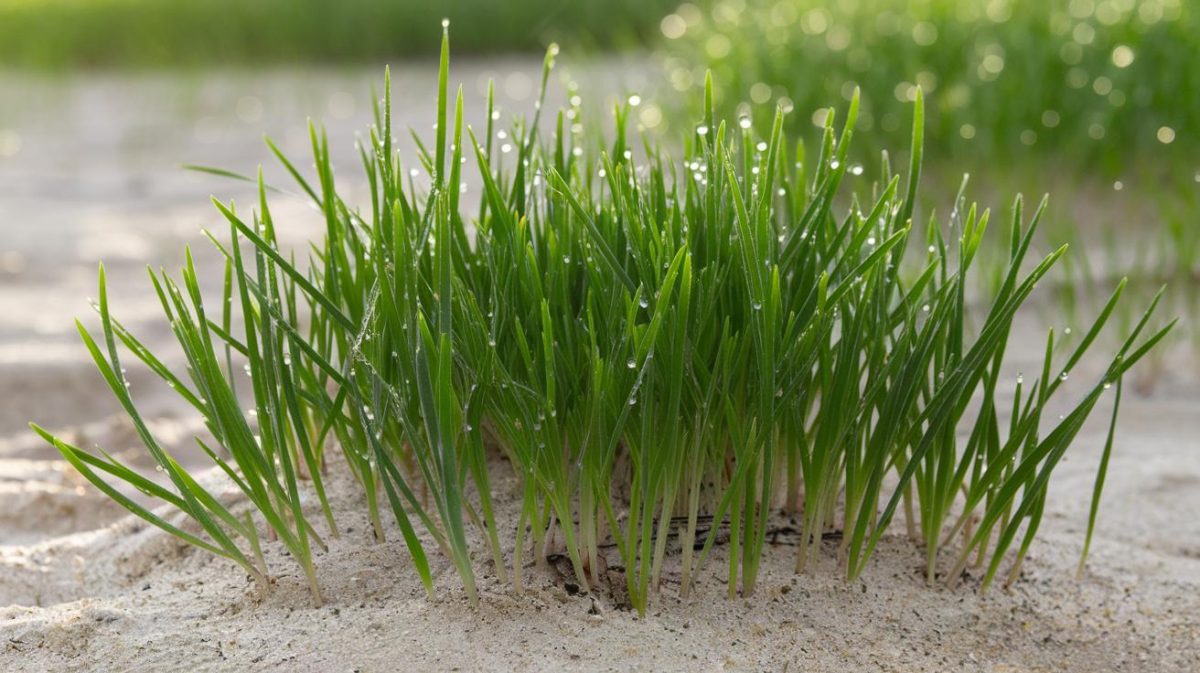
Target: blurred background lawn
[[59, 34], [1106, 83]]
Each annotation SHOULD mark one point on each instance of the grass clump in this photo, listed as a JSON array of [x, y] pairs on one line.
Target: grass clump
[[1088, 81], [647, 342]]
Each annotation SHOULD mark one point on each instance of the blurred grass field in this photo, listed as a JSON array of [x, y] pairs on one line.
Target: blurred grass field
[[1098, 83], [66, 34]]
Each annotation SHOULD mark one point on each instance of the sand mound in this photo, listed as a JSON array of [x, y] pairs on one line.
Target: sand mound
[[126, 597]]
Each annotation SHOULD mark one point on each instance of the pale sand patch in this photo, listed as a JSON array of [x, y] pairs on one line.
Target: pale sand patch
[[127, 597]]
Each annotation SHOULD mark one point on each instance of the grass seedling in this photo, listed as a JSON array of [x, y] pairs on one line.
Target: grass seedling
[[649, 343]]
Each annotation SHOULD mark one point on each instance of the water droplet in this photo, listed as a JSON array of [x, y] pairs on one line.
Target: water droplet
[[856, 170], [1107, 385], [756, 305], [644, 302], [631, 364], [871, 240], [445, 23], [701, 130], [635, 100], [925, 308], [467, 428], [632, 401], [744, 122], [1063, 376]]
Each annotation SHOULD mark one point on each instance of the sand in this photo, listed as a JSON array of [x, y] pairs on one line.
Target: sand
[[119, 595], [84, 587]]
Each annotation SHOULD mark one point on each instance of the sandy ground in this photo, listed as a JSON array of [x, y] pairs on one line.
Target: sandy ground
[[119, 595], [85, 588]]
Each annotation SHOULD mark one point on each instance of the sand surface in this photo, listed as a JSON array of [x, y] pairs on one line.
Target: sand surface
[[85, 588], [118, 595]]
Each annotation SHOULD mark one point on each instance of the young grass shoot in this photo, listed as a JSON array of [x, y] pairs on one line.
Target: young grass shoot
[[649, 341]]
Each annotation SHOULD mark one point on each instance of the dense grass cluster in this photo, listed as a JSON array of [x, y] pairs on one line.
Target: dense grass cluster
[[90, 33], [1088, 79], [646, 341]]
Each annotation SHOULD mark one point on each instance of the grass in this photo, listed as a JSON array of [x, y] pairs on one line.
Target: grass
[[1021, 92], [644, 340], [1167, 255], [1098, 84], [60, 34]]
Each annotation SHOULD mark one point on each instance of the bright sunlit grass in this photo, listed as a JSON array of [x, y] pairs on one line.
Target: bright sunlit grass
[[645, 340]]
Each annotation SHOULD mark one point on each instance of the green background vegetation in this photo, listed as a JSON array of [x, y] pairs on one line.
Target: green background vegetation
[[90, 33], [1082, 80]]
